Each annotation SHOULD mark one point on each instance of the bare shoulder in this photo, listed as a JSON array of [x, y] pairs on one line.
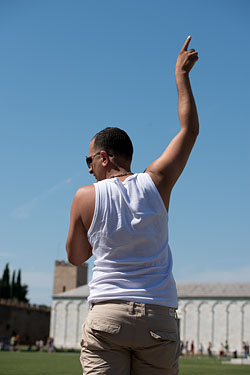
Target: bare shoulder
[[84, 202], [85, 191]]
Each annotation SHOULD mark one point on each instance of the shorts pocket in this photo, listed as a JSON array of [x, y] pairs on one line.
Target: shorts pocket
[[164, 350], [164, 336], [105, 326], [101, 334]]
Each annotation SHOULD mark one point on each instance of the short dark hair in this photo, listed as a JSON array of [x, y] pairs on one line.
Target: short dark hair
[[114, 140]]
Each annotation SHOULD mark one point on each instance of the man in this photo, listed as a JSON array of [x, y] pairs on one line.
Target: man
[[122, 219]]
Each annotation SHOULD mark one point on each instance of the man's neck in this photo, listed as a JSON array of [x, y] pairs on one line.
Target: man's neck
[[121, 174]]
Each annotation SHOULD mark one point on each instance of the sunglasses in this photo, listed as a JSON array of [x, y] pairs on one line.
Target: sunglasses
[[89, 159]]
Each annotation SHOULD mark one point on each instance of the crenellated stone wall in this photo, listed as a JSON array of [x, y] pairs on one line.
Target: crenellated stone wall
[[31, 322]]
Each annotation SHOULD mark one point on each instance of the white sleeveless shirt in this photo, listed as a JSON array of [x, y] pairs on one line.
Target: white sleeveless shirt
[[129, 239]]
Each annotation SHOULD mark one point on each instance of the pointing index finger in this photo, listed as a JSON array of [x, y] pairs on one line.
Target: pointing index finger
[[186, 44]]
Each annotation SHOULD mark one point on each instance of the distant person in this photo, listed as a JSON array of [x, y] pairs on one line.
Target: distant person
[[226, 346], [2, 343], [13, 342], [37, 344], [122, 220], [18, 342], [201, 349], [192, 348], [41, 345], [186, 346], [222, 350], [181, 347], [235, 353], [209, 349], [50, 345], [245, 348]]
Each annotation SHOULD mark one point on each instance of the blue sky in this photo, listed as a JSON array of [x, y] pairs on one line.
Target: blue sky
[[69, 69]]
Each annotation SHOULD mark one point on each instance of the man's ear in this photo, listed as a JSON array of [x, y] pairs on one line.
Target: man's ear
[[105, 157]]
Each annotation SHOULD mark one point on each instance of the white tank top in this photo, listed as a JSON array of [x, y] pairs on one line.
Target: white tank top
[[129, 239]]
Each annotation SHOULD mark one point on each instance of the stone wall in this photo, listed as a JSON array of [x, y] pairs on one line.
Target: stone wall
[[31, 322]]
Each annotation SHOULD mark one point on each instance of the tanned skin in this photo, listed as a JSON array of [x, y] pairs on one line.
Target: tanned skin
[[164, 171]]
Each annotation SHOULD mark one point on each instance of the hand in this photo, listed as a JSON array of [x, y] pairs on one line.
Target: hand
[[186, 58]]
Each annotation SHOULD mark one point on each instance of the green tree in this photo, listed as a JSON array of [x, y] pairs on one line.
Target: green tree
[[24, 292], [13, 286], [18, 285], [21, 290], [14, 290], [5, 283]]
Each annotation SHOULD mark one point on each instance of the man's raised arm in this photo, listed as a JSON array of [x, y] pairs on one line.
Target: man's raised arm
[[167, 168]]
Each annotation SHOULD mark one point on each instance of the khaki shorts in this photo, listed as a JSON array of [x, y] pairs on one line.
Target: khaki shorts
[[130, 338]]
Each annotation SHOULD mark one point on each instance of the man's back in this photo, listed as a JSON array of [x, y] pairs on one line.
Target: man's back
[[129, 238]]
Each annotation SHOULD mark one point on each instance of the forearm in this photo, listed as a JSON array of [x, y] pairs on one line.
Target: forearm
[[187, 111]]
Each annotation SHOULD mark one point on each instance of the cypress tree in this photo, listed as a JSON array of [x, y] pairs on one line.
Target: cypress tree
[[24, 291], [5, 284], [13, 286], [18, 286], [15, 290], [21, 290]]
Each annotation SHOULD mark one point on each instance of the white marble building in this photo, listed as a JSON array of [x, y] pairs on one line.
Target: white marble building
[[208, 312], [68, 312], [215, 313]]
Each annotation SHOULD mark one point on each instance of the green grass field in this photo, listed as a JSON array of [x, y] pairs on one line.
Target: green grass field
[[21, 363]]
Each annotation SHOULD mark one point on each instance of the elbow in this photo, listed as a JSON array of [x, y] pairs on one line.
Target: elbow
[[69, 255], [74, 262], [191, 128], [195, 131], [72, 257], [197, 127]]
